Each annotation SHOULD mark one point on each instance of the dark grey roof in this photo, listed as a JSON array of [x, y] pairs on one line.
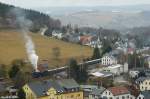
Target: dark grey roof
[[141, 79], [146, 94], [2, 88], [98, 91], [43, 86], [40, 87], [68, 83]]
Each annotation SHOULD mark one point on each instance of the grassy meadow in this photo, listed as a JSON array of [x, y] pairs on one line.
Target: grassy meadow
[[12, 47]]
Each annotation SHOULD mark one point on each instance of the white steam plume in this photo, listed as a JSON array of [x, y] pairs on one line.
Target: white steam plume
[[31, 50], [25, 25]]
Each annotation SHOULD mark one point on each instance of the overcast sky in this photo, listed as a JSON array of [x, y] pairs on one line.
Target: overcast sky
[[51, 3]]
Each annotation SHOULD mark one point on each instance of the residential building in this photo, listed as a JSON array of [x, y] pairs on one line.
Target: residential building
[[116, 69], [53, 89], [143, 83], [108, 60], [57, 34], [101, 74], [133, 73], [86, 40], [144, 95], [87, 89], [117, 93], [96, 93]]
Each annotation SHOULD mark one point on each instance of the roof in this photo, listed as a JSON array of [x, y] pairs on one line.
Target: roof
[[118, 90], [101, 74], [43, 86], [115, 66], [68, 83], [98, 91], [40, 87], [89, 86], [146, 94], [110, 56], [2, 88], [141, 79]]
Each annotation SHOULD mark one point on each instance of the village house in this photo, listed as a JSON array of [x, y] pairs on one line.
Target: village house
[[57, 34], [87, 89], [86, 40], [96, 93], [53, 89], [143, 83], [118, 92], [108, 60], [144, 95], [117, 69]]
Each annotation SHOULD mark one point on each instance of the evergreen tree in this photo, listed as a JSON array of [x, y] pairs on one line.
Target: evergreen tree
[[21, 94], [15, 67], [13, 71], [77, 73], [3, 71], [96, 53], [73, 69]]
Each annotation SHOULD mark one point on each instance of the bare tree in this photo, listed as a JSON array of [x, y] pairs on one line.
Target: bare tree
[[56, 53]]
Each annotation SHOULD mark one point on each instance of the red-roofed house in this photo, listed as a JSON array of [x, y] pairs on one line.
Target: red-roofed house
[[86, 40], [117, 93]]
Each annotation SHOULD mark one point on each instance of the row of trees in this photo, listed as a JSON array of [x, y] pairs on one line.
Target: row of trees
[[8, 18], [77, 72], [136, 60], [17, 74]]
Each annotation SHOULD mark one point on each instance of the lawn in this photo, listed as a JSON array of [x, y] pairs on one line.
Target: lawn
[[12, 47]]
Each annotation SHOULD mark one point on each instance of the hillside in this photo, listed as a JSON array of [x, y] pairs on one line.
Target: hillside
[[107, 19], [9, 18], [12, 47]]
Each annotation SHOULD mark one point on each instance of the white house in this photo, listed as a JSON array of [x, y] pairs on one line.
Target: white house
[[144, 95], [117, 93], [133, 73], [108, 60], [143, 83], [57, 34], [116, 69]]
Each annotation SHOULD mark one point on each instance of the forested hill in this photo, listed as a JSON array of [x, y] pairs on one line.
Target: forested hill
[[39, 20]]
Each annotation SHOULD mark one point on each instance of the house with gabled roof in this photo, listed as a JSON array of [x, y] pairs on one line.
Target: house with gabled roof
[[143, 83], [118, 92], [53, 89], [96, 93], [144, 95], [109, 59]]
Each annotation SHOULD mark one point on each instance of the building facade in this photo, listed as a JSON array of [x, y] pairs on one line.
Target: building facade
[[117, 93], [109, 60], [59, 89], [143, 83]]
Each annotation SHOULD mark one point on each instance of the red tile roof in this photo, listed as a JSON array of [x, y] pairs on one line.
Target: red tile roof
[[118, 90]]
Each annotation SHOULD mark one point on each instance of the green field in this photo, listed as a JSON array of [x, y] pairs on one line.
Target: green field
[[12, 47]]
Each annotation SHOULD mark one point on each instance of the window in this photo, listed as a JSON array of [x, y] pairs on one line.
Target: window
[[142, 87], [106, 92], [146, 83], [78, 95], [110, 98], [123, 97], [128, 97]]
